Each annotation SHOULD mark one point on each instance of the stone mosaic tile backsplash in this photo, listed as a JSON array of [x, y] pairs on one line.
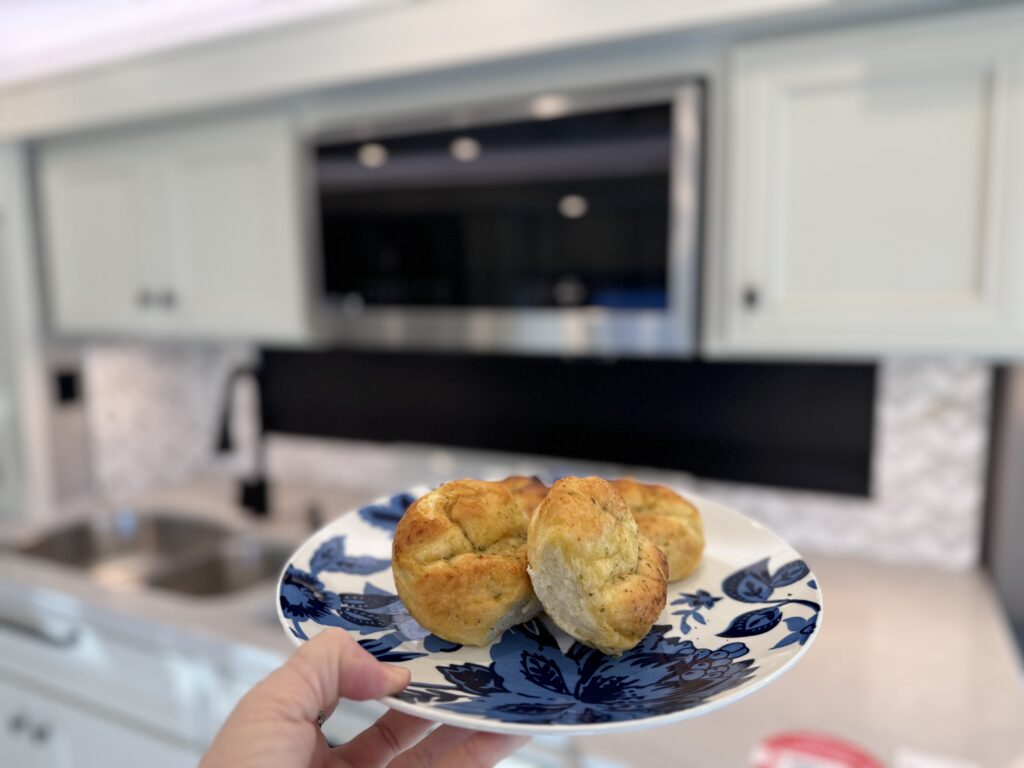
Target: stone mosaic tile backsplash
[[153, 414]]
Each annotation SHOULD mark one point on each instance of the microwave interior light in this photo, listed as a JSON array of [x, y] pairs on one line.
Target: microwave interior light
[[372, 155], [573, 206], [465, 149]]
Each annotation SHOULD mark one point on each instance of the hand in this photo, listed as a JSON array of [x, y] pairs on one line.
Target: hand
[[275, 724]]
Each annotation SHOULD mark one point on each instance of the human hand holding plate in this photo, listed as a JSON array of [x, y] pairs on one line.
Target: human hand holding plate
[[277, 724]]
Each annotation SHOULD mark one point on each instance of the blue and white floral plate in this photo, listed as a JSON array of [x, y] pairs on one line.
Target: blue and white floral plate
[[746, 616]]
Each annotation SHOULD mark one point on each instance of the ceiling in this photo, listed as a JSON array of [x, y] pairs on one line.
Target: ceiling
[[44, 37]]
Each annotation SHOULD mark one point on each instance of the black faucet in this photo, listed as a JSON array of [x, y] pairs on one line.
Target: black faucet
[[253, 489]]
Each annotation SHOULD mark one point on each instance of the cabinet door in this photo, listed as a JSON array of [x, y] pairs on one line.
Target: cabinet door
[[7, 438], [8, 470], [99, 232], [16, 744], [871, 201], [41, 732], [236, 239]]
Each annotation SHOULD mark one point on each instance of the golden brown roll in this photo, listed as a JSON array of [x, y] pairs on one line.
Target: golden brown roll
[[598, 578], [528, 492], [459, 559], [667, 519]]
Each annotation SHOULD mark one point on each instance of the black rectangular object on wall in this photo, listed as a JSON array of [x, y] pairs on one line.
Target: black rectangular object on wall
[[790, 425]]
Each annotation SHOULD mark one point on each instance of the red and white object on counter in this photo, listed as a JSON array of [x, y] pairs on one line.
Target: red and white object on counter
[[809, 750]]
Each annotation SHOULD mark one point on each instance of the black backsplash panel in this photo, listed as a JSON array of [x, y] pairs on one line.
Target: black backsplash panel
[[797, 426]]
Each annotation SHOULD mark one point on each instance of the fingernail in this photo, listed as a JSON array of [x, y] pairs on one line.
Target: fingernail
[[398, 676]]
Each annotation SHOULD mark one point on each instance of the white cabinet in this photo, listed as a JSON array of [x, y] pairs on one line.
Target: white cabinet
[[234, 204], [8, 470], [96, 205], [874, 189], [37, 731], [187, 231]]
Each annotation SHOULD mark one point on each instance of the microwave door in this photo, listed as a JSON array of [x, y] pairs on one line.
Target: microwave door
[[575, 235]]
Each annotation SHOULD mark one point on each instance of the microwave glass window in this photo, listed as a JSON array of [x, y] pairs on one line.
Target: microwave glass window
[[546, 213]]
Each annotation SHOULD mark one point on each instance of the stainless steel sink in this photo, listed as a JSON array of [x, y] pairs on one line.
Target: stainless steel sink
[[163, 550], [236, 564], [84, 544]]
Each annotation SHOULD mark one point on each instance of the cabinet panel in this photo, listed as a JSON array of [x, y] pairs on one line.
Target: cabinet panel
[[190, 230], [881, 186], [97, 209], [872, 176], [157, 687], [8, 471], [41, 732], [235, 230], [15, 745]]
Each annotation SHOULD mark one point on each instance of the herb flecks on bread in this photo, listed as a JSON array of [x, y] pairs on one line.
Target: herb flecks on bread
[[459, 561], [597, 577], [667, 519]]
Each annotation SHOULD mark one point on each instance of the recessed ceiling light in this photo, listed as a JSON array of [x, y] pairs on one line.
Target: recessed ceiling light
[[549, 105], [372, 155]]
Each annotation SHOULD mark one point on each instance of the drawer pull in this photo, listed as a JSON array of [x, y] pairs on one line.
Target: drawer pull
[[60, 638]]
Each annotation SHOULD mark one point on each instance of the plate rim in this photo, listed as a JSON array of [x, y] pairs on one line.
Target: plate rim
[[480, 723]]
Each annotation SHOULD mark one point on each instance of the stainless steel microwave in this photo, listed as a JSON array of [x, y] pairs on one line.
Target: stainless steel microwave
[[561, 224]]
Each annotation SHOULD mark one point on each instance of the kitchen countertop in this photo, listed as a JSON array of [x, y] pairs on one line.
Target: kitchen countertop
[[910, 660], [240, 622]]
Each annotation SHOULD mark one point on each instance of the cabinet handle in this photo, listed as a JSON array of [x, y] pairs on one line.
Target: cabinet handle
[[17, 723], [751, 297], [41, 734], [145, 298], [167, 299]]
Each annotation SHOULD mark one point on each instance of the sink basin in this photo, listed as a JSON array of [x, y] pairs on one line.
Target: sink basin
[[125, 534], [236, 564], [162, 550]]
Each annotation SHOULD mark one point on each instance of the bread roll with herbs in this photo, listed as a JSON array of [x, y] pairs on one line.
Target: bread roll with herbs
[[528, 492], [459, 561], [598, 578], [667, 519]]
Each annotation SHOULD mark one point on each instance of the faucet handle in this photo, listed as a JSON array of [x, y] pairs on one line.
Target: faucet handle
[[314, 516], [253, 495]]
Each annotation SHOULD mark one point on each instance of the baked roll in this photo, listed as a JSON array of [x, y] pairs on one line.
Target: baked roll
[[528, 492], [598, 578], [459, 560], [667, 519]]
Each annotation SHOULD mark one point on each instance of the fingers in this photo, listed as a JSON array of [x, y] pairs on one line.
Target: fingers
[[330, 666], [432, 749], [393, 733], [482, 750], [450, 747]]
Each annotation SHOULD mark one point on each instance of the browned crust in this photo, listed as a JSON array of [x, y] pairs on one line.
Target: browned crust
[[459, 560], [528, 492], [618, 577], [669, 520]]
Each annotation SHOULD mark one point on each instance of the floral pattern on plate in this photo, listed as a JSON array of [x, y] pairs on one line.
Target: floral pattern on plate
[[748, 614]]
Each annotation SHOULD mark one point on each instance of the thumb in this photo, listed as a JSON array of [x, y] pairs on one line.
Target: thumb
[[326, 668]]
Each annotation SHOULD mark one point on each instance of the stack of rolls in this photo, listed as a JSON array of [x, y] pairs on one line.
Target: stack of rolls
[[473, 558]]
